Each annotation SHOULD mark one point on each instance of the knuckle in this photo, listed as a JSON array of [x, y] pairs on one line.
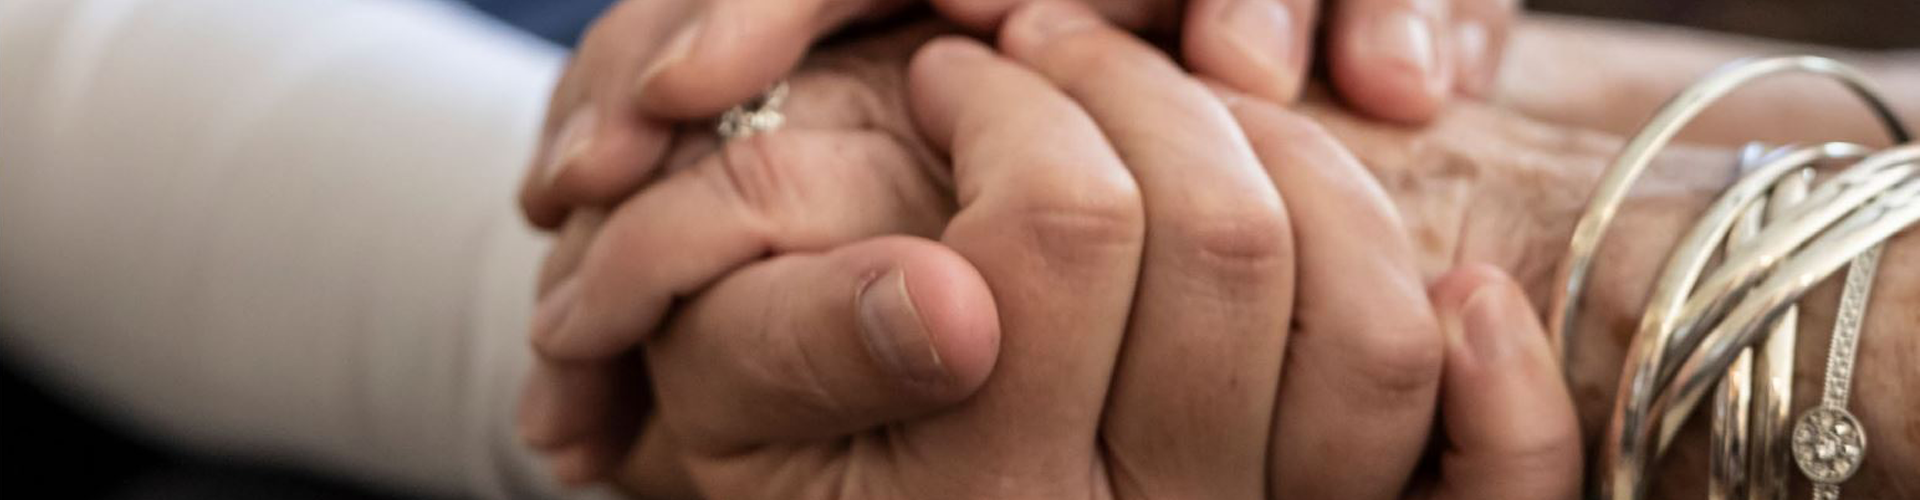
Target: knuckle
[[809, 190], [1401, 355], [758, 172], [1069, 218], [788, 372], [1251, 242], [1073, 230]]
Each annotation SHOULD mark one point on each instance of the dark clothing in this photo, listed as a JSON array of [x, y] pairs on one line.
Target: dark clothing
[[559, 21]]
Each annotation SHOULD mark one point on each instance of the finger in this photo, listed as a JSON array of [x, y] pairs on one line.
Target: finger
[[818, 346], [1479, 40], [1357, 393], [1510, 425], [1217, 280], [569, 246], [579, 414], [728, 51], [824, 189], [822, 108], [1051, 218], [595, 148], [789, 191], [1388, 59], [986, 15], [541, 209], [596, 401], [654, 468], [646, 64], [596, 160], [1260, 47]]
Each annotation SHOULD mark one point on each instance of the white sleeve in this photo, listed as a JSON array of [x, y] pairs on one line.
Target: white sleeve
[[277, 230]]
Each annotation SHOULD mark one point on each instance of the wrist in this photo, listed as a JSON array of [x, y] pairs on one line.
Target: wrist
[[1483, 185]]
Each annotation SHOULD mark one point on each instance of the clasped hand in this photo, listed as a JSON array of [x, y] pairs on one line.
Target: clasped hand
[[1056, 268]]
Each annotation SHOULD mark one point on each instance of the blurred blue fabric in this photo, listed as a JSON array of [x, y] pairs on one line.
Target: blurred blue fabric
[[559, 21]]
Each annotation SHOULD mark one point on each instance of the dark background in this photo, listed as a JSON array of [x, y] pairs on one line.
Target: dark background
[[1878, 24]]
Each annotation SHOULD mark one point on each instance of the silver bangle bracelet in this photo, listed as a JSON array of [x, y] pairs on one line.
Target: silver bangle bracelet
[[1571, 276], [1730, 429], [1741, 327], [1820, 260], [1773, 376], [1702, 327], [1672, 312], [1750, 405]]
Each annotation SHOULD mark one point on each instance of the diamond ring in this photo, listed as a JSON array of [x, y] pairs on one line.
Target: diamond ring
[[762, 114]]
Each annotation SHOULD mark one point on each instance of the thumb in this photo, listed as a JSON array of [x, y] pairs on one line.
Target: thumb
[[819, 346], [1510, 425]]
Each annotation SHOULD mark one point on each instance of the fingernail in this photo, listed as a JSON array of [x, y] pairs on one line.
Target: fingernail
[[570, 144], [551, 314], [674, 51], [1406, 39], [1474, 58], [1049, 20], [1263, 31], [1484, 318], [893, 331]]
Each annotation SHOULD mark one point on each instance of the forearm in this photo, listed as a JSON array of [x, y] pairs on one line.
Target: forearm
[[248, 265], [1484, 185]]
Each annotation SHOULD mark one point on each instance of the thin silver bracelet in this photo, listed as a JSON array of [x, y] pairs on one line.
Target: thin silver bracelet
[[1773, 376], [1750, 412], [1698, 324], [1828, 442], [1730, 430]]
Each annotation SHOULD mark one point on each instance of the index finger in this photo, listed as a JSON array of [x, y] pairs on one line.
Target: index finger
[[730, 50], [1053, 222], [1357, 393], [645, 65]]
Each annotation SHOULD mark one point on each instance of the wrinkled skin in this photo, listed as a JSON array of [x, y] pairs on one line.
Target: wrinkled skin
[[1480, 185]]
